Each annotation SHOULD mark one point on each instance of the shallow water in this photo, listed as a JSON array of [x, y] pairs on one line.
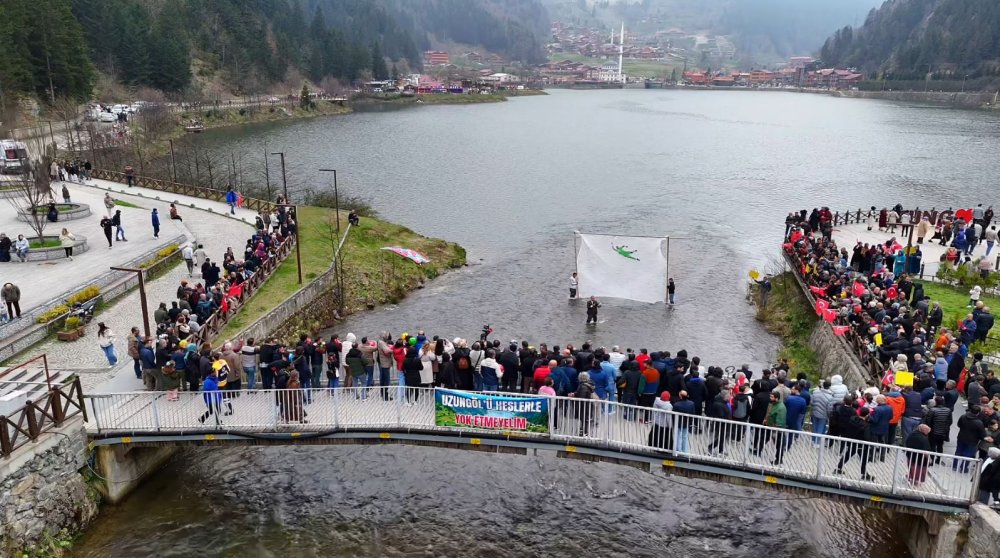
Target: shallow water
[[716, 170]]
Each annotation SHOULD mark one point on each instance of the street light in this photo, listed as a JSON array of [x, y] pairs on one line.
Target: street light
[[963, 82], [284, 180], [336, 251]]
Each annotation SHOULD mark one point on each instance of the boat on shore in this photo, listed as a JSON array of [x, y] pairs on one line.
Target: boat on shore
[[195, 127]]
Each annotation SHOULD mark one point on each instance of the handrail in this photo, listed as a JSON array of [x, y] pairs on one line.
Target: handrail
[[214, 324], [47, 412], [204, 192], [879, 469]]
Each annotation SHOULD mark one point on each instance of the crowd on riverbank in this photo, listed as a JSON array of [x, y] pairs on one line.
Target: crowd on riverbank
[[868, 296]]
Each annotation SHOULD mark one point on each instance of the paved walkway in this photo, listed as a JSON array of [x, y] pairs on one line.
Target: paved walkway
[[42, 281], [846, 236], [216, 230]]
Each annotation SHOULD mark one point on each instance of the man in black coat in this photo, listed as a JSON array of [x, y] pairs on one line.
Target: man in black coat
[[984, 322]]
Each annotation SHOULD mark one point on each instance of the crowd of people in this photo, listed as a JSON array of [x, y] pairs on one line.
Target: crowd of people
[[927, 363], [176, 356]]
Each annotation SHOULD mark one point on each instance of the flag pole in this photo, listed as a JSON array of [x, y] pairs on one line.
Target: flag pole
[[666, 294], [576, 268]]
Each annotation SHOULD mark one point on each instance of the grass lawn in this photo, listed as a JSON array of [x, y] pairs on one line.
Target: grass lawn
[[954, 300], [44, 243], [372, 276], [61, 208], [122, 203], [789, 316]]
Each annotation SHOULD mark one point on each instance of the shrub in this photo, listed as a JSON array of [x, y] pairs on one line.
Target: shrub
[[52, 314], [167, 251], [963, 276], [72, 323], [84, 295]]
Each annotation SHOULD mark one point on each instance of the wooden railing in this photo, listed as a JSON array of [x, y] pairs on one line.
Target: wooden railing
[[202, 192], [218, 320], [57, 402]]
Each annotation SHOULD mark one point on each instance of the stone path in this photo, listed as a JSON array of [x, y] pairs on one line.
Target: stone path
[[42, 281], [846, 236], [216, 230]]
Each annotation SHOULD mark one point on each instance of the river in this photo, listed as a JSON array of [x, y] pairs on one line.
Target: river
[[715, 170]]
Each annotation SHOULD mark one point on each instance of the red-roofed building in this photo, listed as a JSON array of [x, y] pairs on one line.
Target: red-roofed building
[[435, 58]]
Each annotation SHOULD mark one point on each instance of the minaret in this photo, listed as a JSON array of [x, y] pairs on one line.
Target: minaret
[[621, 52]]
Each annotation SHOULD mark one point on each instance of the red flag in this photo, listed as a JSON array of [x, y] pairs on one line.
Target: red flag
[[840, 330], [892, 292], [821, 306], [818, 291], [829, 315], [859, 288]]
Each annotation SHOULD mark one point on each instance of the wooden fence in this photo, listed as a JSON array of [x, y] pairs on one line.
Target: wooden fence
[[218, 320], [202, 192], [49, 405]]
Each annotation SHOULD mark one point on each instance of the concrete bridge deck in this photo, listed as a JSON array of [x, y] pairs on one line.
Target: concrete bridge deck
[[584, 429]]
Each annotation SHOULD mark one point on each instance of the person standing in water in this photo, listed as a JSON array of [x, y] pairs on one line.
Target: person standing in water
[[573, 282], [670, 290], [592, 306]]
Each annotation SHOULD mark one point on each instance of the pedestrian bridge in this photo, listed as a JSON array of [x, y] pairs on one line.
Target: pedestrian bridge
[[895, 478]]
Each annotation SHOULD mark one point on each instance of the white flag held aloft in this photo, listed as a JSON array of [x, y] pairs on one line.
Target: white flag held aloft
[[631, 267]]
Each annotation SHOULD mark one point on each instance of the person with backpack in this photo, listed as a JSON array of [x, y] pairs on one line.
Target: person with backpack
[[476, 356], [584, 404], [383, 358], [464, 369], [742, 403], [822, 400], [133, 344], [660, 435]]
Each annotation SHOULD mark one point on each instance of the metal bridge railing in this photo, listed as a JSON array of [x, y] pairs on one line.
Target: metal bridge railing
[[876, 469]]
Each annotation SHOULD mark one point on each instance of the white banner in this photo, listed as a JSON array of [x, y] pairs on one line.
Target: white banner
[[622, 267]]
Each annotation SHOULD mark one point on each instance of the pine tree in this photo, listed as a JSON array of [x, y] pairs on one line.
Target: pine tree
[[379, 69]]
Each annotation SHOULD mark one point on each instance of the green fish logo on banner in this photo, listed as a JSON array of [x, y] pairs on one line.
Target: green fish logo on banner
[[624, 252]]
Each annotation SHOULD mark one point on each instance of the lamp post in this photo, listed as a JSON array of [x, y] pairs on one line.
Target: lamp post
[[336, 251], [963, 82], [142, 297], [284, 180]]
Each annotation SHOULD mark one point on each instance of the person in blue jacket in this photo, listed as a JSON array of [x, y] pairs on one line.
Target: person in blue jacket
[[156, 224], [878, 423], [212, 396], [231, 200], [795, 412]]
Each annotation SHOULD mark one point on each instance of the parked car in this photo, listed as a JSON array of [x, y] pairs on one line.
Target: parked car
[[12, 153], [108, 117]]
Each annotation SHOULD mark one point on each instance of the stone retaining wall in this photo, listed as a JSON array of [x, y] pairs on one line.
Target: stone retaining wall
[[43, 492], [834, 357], [58, 252], [984, 533]]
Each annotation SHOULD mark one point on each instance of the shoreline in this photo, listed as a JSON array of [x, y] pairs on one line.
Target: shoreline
[[226, 117]]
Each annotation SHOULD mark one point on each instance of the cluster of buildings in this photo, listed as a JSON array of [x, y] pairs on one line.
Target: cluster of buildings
[[569, 72], [801, 72], [442, 58]]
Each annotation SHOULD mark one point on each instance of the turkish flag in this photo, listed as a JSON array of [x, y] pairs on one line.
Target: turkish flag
[[821, 306], [818, 291], [840, 330], [829, 315]]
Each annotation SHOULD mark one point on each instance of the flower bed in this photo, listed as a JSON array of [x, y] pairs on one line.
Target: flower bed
[[55, 252]]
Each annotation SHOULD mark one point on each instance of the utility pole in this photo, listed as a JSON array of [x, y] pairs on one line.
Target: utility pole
[[336, 251], [142, 297], [284, 179]]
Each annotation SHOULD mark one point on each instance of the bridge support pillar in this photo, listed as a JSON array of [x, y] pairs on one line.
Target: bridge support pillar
[[124, 468], [931, 534]]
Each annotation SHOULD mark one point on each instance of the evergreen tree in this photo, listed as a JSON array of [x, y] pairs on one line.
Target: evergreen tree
[[305, 103], [379, 69]]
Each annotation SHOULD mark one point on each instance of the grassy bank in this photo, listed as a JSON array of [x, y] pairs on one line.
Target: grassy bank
[[372, 276], [213, 117], [789, 316]]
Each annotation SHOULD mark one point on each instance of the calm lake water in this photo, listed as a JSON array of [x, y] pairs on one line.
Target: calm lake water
[[715, 170]]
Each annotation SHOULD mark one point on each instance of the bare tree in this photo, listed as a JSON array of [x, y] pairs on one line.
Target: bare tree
[[34, 187]]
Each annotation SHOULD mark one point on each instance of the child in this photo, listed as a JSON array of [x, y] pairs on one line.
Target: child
[[974, 294], [547, 389]]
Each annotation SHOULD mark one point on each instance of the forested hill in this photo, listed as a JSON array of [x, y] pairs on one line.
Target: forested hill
[[57, 46], [907, 39]]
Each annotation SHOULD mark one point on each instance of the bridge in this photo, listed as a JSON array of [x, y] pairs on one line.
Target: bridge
[[572, 428]]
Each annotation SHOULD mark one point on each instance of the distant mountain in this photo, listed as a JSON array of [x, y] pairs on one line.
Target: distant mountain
[[763, 31], [907, 39]]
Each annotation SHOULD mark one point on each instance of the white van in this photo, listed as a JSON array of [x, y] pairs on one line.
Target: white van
[[11, 154]]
